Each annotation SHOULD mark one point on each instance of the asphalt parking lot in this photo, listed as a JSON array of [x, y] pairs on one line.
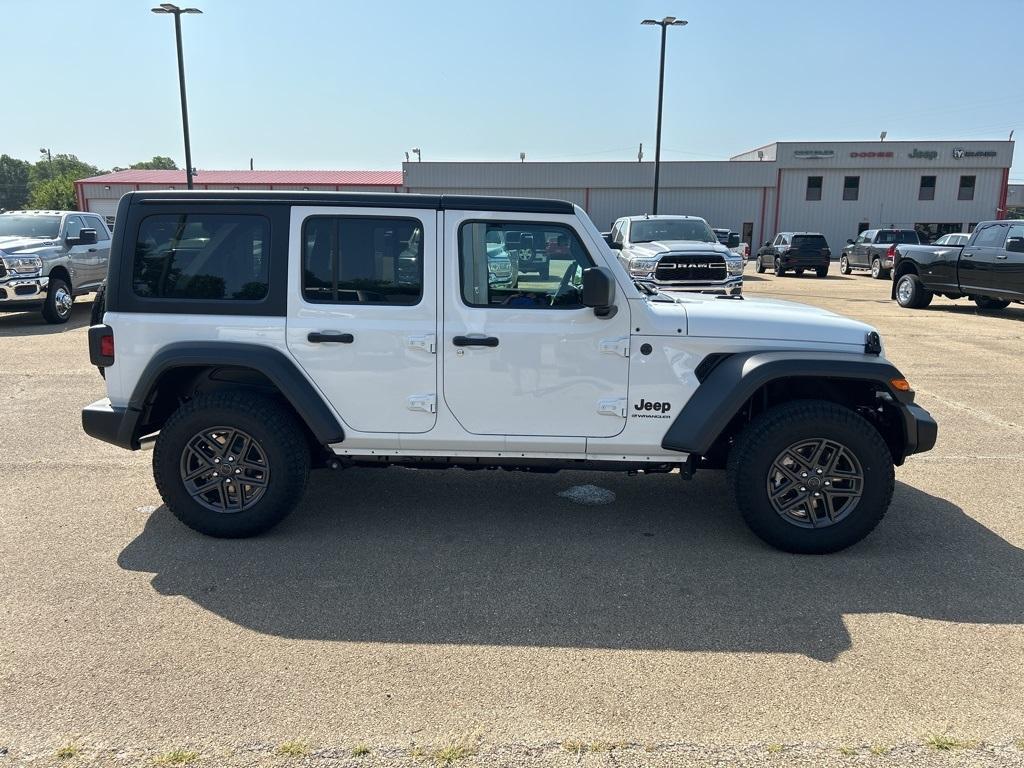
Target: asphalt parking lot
[[400, 609]]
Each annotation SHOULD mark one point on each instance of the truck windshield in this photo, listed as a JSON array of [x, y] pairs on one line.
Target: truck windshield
[[649, 230], [29, 226], [889, 236]]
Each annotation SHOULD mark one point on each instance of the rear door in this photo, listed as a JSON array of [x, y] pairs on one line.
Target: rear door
[[529, 359], [362, 312], [976, 269], [1009, 271]]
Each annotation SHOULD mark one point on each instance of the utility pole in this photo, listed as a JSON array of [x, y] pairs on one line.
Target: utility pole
[[665, 23]]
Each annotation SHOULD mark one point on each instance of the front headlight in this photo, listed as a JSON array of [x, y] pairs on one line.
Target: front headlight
[[735, 266], [643, 265], [23, 265]]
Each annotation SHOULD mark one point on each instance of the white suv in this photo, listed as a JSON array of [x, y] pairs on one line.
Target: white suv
[[252, 335]]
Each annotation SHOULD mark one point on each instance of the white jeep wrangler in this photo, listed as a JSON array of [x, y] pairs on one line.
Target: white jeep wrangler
[[252, 335]]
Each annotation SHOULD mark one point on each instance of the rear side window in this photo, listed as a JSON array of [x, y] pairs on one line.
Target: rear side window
[[372, 260], [906, 236], [809, 242], [213, 257]]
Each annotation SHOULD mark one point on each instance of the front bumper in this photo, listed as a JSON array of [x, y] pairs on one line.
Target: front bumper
[[919, 428], [23, 290], [111, 424]]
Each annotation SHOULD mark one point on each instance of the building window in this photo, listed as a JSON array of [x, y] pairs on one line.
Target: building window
[[971, 226], [864, 225], [348, 260], [966, 188], [813, 188], [927, 189], [851, 187]]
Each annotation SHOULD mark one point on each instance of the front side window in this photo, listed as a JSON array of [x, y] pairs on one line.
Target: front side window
[[966, 191], [94, 223], [521, 265], [813, 188], [356, 260], [851, 187], [73, 226], [990, 237], [212, 257]]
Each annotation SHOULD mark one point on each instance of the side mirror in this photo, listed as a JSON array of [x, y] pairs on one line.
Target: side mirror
[[85, 237], [1015, 245], [767, 243], [734, 240], [599, 291], [849, 241]]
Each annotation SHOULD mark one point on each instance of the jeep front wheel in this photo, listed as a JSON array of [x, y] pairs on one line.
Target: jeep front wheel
[[231, 464], [811, 476]]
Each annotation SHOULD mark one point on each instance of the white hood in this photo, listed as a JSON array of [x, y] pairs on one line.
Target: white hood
[[762, 319]]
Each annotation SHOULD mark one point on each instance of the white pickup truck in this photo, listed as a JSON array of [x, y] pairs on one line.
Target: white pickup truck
[[251, 335]]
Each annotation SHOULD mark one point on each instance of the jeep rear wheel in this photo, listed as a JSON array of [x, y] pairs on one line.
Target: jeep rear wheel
[[811, 477], [911, 293], [231, 464]]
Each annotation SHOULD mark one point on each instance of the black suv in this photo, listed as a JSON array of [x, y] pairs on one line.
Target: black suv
[[795, 251]]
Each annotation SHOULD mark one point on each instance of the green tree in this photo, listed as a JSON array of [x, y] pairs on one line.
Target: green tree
[[61, 165], [14, 175], [158, 163], [55, 194]]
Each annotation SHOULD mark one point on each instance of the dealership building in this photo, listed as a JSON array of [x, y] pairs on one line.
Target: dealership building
[[836, 188]]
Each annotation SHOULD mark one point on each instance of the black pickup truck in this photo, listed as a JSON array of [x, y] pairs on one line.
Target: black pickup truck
[[989, 270]]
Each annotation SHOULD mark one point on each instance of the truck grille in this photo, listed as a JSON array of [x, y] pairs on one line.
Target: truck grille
[[702, 266]]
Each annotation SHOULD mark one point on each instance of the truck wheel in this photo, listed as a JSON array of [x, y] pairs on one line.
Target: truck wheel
[[231, 464], [811, 476], [876, 268], [759, 266], [59, 302], [844, 265], [779, 271], [984, 302], [911, 293], [799, 272], [821, 271]]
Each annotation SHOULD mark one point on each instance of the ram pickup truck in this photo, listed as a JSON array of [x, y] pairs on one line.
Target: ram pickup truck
[[874, 249], [678, 253], [49, 257], [989, 269], [250, 336]]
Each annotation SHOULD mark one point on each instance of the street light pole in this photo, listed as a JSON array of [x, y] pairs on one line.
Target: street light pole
[[173, 9], [665, 23]]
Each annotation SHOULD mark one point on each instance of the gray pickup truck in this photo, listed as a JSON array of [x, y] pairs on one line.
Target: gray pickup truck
[[49, 257], [874, 250]]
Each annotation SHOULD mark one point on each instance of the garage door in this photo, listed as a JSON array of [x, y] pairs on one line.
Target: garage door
[[102, 207]]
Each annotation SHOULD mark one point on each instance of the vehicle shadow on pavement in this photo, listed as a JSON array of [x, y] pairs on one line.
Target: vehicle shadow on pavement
[[31, 323], [406, 556], [1012, 312]]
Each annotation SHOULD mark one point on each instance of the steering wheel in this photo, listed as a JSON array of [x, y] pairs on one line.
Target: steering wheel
[[567, 293]]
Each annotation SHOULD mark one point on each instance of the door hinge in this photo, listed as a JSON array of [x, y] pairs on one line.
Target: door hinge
[[428, 343], [613, 406], [426, 403], [619, 346]]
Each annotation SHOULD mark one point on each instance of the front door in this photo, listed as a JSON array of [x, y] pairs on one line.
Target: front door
[[85, 259], [362, 312], [523, 356]]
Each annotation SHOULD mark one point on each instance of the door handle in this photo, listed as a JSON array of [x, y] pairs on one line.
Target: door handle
[[966, 255], [93, 250], [475, 341], [1001, 256], [318, 337]]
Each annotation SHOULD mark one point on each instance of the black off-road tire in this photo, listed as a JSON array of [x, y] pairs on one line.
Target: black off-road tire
[[821, 271], [984, 302], [54, 309], [778, 428], [779, 271], [99, 306], [277, 433], [799, 271], [911, 293]]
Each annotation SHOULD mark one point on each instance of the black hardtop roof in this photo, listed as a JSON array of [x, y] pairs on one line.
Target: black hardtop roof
[[360, 199]]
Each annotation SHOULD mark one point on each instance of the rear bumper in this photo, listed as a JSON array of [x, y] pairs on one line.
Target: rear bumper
[[804, 262], [111, 424], [920, 429]]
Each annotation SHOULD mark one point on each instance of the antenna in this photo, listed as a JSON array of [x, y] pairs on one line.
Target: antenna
[[522, 157], [882, 135], [407, 157], [1011, 136], [640, 154], [250, 164]]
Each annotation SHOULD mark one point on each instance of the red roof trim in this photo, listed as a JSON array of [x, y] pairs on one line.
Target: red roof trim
[[305, 178]]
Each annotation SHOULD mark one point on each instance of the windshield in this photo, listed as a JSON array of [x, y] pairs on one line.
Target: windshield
[[649, 230], [29, 226], [890, 236]]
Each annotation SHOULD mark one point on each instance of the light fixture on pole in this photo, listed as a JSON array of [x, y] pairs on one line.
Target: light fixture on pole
[[665, 23], [522, 157], [176, 11], [419, 157], [882, 135]]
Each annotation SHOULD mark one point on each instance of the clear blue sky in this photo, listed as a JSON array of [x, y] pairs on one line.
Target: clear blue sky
[[345, 84]]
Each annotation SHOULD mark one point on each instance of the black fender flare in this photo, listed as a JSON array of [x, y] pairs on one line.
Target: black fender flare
[[308, 403], [734, 380]]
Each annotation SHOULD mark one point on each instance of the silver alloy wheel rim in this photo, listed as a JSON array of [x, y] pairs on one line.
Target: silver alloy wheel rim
[[63, 302], [224, 469], [815, 483], [844, 265], [876, 268], [904, 290]]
